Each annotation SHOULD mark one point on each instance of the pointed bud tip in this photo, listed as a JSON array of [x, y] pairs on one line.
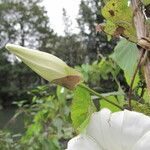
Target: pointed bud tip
[[10, 47]]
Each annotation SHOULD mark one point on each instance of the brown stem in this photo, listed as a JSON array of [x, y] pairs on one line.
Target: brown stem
[[133, 78], [146, 69], [142, 32], [139, 19]]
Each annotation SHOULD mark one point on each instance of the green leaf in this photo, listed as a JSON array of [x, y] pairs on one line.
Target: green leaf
[[110, 27], [126, 56], [82, 108], [129, 78], [105, 1], [107, 67], [142, 108], [145, 96], [84, 69], [61, 93], [116, 99], [146, 2]]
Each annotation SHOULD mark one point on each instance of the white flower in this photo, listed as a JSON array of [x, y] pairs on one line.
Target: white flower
[[48, 66], [125, 130]]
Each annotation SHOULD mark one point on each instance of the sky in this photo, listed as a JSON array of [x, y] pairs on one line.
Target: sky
[[54, 10]]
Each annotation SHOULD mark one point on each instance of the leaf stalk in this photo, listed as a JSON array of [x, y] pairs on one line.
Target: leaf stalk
[[99, 95]]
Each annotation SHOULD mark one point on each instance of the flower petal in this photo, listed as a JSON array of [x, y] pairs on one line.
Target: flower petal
[[135, 125], [143, 143], [83, 142], [94, 129], [105, 128], [113, 130], [124, 130]]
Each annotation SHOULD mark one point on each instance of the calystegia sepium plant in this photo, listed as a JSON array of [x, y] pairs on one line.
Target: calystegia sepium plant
[[121, 122]]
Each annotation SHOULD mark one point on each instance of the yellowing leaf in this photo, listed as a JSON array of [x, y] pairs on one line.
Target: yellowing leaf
[[120, 14]]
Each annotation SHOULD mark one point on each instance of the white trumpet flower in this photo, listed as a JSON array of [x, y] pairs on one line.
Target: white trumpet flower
[[47, 66], [125, 130]]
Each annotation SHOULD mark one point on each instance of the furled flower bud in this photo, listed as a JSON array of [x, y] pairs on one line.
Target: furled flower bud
[[47, 66]]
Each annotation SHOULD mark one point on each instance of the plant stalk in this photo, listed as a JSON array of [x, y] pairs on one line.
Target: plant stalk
[[99, 95], [133, 78], [142, 33]]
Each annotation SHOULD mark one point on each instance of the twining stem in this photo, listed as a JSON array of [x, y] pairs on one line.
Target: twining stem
[[133, 78], [99, 95], [142, 33]]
